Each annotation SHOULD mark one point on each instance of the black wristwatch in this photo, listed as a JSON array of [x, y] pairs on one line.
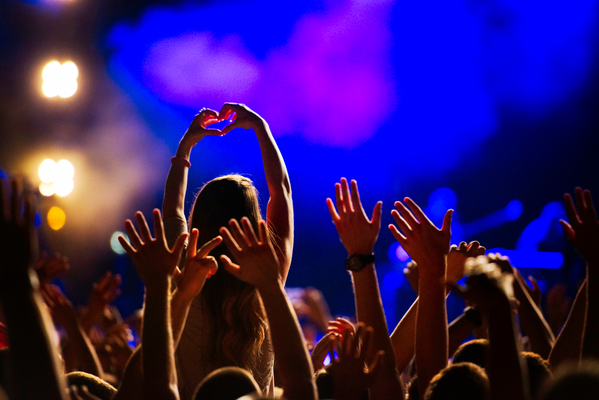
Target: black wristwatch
[[357, 262]]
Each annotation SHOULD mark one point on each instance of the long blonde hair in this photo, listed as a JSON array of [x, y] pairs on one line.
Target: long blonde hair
[[238, 322]]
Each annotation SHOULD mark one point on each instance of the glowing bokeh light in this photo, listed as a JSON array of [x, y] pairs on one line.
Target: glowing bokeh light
[[60, 80], [56, 218], [65, 169], [63, 186], [47, 171], [114, 242], [46, 189]]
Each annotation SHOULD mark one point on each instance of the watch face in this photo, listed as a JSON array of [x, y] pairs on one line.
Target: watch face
[[354, 264]]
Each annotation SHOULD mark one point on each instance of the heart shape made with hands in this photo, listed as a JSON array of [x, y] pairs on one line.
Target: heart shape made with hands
[[214, 118]]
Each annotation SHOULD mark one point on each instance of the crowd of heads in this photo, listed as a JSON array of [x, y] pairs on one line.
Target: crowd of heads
[[232, 262]]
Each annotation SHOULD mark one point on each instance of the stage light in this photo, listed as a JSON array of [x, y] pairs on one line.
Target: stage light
[[63, 186], [65, 170], [60, 80], [47, 171], [56, 177], [114, 242], [56, 218], [47, 189]]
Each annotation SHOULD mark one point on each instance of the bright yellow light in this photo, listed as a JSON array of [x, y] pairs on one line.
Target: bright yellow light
[[60, 80], [46, 189], [56, 218], [47, 171], [65, 170], [114, 242], [63, 186]]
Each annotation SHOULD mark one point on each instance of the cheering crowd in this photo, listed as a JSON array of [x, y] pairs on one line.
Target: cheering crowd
[[217, 322]]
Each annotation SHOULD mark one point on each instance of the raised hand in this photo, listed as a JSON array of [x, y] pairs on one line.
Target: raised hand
[[457, 258], [61, 309], [351, 378], [340, 326], [241, 117], [104, 292], [488, 283], [199, 265], [583, 227], [255, 260], [154, 261], [49, 268], [419, 237], [357, 233], [323, 347], [18, 241], [197, 129]]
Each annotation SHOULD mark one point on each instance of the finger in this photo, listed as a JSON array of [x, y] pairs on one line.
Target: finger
[[249, 231], [375, 366], [209, 246], [568, 231], [406, 214], [126, 246], [446, 228], [349, 207], [177, 276], [463, 247], [132, 233], [226, 110], [473, 247], [238, 234], [397, 234], [401, 223], [230, 127], [591, 213], [112, 284], [230, 266], [144, 229], [263, 232], [158, 225], [357, 343], [571, 211], [105, 279], [355, 196], [367, 342], [178, 246], [416, 210], [376, 214], [339, 200], [229, 241], [332, 211], [348, 343], [481, 251], [193, 243]]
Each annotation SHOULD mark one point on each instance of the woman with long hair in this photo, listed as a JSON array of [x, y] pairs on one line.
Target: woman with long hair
[[226, 324]]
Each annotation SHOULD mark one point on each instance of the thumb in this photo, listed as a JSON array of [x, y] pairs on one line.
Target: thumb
[[230, 266], [446, 228], [376, 214]]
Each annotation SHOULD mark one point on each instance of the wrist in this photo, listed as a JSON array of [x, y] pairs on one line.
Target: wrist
[[270, 289], [184, 148], [158, 287]]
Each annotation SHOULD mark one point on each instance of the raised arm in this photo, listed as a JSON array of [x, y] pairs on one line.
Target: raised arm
[[428, 246], [583, 232], [279, 211], [403, 335], [79, 353], [491, 291], [155, 264], [258, 265], [359, 235], [34, 365], [173, 205]]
